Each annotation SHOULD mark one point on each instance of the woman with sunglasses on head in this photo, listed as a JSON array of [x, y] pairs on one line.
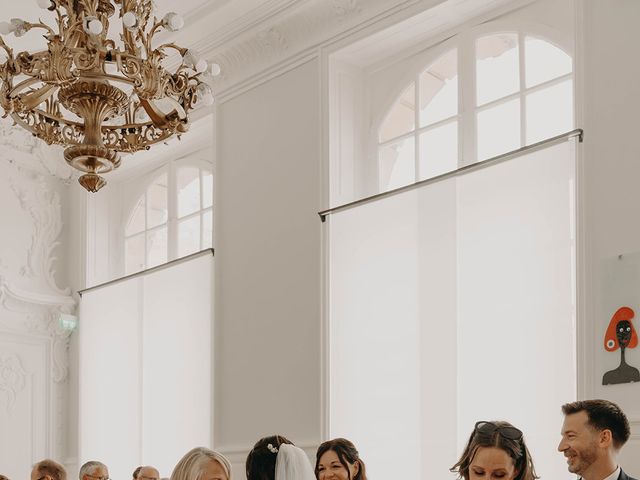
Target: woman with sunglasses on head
[[338, 459], [495, 450]]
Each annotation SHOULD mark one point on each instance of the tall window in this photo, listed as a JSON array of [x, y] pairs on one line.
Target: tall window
[[518, 91], [171, 219]]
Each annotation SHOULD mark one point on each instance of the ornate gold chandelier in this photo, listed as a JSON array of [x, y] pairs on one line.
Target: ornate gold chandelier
[[97, 96]]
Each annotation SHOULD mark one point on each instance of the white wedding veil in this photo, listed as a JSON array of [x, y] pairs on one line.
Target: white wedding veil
[[292, 464]]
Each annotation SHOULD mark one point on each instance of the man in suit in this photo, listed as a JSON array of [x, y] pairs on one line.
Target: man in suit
[[48, 470], [593, 433]]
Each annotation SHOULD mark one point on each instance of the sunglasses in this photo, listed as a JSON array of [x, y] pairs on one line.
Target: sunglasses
[[489, 428]]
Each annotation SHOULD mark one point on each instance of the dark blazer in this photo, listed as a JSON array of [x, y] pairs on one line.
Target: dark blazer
[[624, 476]]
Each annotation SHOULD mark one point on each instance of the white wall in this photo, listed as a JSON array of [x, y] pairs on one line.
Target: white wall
[[268, 246], [612, 102], [33, 347], [268, 265]]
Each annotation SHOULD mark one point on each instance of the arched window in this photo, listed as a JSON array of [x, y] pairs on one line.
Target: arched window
[[171, 219], [517, 90]]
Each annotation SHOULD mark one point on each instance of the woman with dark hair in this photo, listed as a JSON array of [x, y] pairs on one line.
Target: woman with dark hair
[[277, 458], [338, 459], [495, 450]]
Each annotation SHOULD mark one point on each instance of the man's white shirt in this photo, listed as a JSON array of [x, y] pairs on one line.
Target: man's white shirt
[[614, 475]]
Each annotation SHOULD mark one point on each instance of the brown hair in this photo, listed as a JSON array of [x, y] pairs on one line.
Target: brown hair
[[516, 449], [261, 461], [347, 454], [51, 468], [603, 415]]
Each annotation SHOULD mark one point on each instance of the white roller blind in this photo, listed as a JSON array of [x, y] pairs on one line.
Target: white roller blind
[[453, 303], [146, 368]]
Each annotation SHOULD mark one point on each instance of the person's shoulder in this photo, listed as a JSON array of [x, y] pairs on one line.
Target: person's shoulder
[[624, 476]]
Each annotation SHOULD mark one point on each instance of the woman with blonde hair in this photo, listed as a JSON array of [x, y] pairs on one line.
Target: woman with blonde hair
[[202, 463]]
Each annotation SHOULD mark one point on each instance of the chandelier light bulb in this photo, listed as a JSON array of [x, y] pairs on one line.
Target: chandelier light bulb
[[6, 28], [201, 65], [44, 3], [129, 20], [19, 27], [215, 69], [173, 21], [205, 95], [92, 26], [191, 58]]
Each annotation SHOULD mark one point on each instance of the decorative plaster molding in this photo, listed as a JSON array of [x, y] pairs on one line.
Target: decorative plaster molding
[[12, 378], [31, 154], [40, 316], [293, 28], [44, 208]]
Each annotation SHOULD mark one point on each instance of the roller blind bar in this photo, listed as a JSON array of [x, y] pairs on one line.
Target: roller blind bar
[[460, 171], [149, 270]]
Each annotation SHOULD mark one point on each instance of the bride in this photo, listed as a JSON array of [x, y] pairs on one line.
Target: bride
[[277, 458]]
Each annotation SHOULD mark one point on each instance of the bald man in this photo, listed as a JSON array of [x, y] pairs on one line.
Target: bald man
[[148, 473]]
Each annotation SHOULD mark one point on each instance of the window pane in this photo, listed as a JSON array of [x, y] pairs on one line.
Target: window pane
[[549, 112], [134, 254], [497, 67], [207, 229], [189, 236], [499, 129], [157, 202], [397, 164], [207, 189], [136, 220], [188, 190], [544, 61], [439, 150], [156, 247], [439, 89], [401, 117]]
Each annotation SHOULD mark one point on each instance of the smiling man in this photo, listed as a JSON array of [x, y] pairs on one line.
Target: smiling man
[[593, 433]]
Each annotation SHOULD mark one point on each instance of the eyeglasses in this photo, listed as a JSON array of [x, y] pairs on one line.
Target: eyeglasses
[[106, 477], [489, 428]]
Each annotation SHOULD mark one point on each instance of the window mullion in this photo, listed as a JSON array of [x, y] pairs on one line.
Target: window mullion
[[146, 226], [467, 101], [416, 135], [172, 206], [523, 111]]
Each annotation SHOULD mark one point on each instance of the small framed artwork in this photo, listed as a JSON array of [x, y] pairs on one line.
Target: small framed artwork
[[616, 328]]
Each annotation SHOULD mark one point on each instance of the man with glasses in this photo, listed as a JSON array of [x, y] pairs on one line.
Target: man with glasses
[[593, 433], [148, 473], [93, 470], [48, 470]]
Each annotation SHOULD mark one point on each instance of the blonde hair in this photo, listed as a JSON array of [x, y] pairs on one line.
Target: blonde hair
[[191, 465]]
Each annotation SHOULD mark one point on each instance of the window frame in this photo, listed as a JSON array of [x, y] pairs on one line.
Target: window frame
[[139, 188], [468, 110]]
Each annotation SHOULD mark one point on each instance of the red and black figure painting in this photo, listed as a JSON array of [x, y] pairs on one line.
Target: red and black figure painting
[[621, 335]]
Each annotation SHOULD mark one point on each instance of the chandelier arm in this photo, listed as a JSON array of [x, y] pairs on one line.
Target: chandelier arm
[[180, 50], [149, 37], [42, 25], [6, 48], [158, 118], [30, 100]]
